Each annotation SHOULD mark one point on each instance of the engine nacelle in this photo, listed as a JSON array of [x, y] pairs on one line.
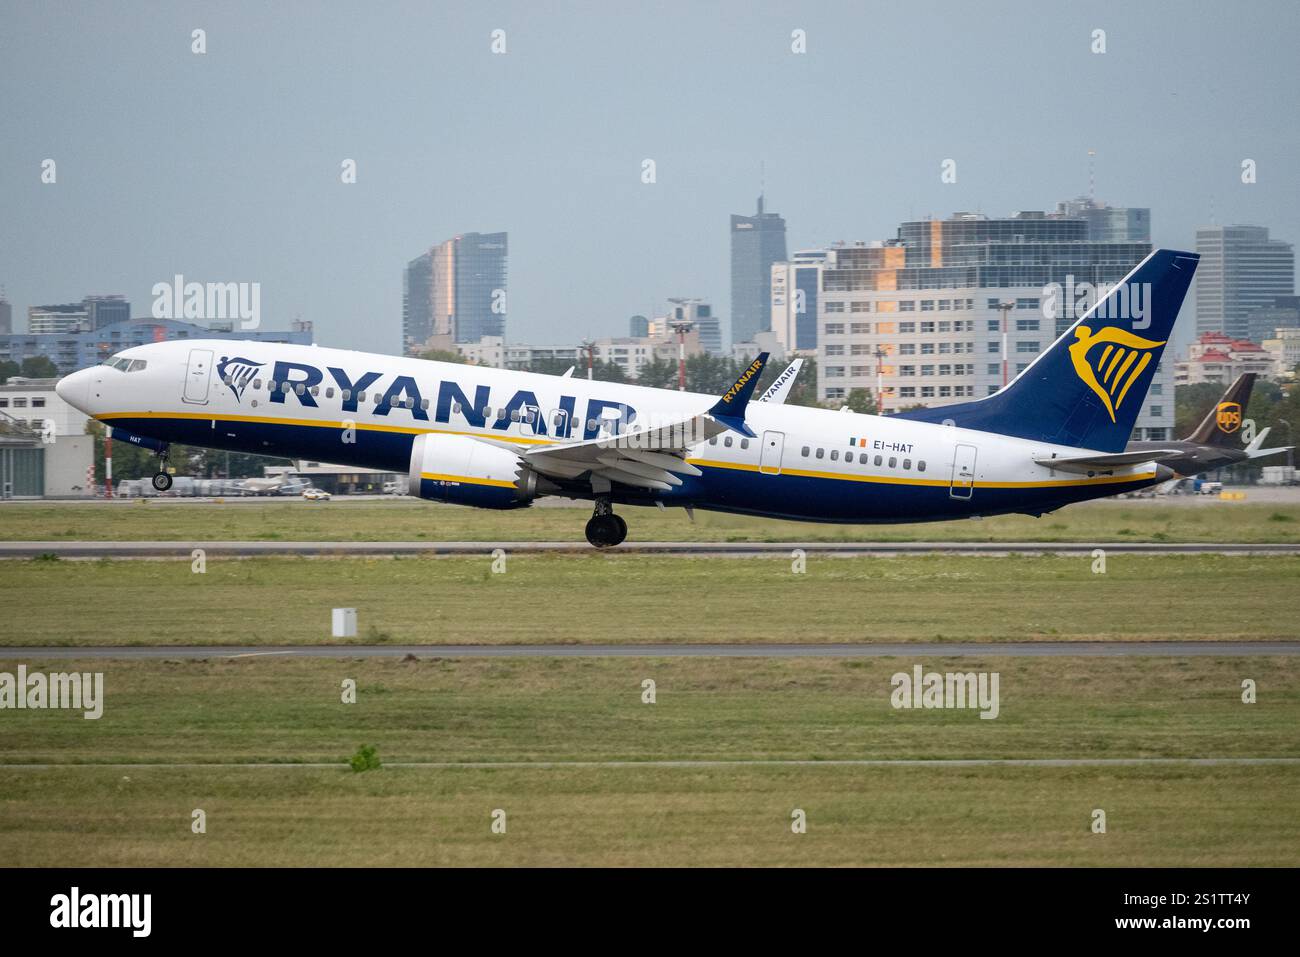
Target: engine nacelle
[[453, 468]]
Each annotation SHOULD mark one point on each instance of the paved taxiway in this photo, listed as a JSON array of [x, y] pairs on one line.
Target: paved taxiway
[[85, 550], [928, 649]]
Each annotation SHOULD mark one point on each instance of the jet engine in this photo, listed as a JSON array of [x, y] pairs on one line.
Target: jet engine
[[465, 471]]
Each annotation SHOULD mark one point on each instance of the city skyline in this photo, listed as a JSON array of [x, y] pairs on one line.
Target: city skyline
[[193, 170]]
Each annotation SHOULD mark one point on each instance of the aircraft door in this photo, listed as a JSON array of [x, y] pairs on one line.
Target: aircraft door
[[963, 472], [198, 373], [769, 462]]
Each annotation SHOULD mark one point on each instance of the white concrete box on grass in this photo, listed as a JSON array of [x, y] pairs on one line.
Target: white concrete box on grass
[[345, 623]]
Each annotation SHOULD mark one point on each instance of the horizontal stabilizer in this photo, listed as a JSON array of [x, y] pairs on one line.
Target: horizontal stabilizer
[[1096, 463]]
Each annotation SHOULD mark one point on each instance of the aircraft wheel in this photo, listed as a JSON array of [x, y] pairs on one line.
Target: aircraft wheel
[[162, 481], [604, 531]]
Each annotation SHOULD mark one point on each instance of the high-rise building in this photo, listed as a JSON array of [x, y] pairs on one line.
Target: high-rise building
[[1241, 270], [1108, 224], [65, 318], [756, 242], [795, 288], [6, 316], [456, 292], [638, 327], [920, 313], [106, 310], [1282, 313]]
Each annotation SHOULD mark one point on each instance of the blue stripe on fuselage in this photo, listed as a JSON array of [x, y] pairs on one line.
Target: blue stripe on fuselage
[[796, 497]]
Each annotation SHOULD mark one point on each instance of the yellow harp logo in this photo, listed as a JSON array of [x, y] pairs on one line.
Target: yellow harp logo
[[1229, 417], [1110, 371]]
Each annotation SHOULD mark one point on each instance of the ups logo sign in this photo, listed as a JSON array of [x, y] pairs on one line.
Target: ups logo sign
[[1228, 417]]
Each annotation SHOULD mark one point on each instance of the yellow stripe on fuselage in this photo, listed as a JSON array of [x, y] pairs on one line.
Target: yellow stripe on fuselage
[[905, 480], [317, 423]]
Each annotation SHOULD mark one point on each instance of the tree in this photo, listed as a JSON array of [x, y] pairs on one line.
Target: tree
[[659, 374], [8, 369], [39, 367], [860, 400], [551, 366], [444, 355]]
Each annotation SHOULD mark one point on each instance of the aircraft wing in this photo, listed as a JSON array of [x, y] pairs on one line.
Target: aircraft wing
[[1092, 463], [651, 457]]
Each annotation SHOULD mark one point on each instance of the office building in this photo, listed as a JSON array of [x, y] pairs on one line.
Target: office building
[[921, 312], [1219, 359], [795, 288], [1241, 270], [757, 242], [455, 293], [70, 351]]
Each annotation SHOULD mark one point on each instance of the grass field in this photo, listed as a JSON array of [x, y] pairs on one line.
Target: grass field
[[1200, 817], [254, 709], [409, 520], [289, 710], [630, 598]]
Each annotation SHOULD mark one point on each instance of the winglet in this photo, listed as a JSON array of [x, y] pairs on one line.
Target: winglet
[[730, 408]]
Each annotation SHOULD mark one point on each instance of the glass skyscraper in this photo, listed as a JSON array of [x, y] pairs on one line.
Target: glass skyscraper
[[757, 242], [456, 291], [1241, 271]]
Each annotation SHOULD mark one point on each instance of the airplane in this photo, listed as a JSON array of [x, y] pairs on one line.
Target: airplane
[[279, 484], [1213, 444], [498, 438]]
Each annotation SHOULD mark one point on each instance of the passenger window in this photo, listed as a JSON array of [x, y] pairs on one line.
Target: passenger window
[[514, 416], [424, 404], [392, 401], [848, 457], [299, 388], [329, 392], [270, 385], [361, 397], [920, 466], [835, 455], [286, 387], [346, 395], [315, 390], [257, 383], [727, 441], [879, 460], [805, 451], [714, 440], [228, 380], [487, 412], [455, 407], [744, 443], [821, 452], [907, 463], [893, 462]]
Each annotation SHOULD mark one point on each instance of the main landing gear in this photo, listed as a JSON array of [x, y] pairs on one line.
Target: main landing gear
[[604, 528], [162, 481]]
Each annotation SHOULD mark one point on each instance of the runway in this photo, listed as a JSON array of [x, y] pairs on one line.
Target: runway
[[183, 550], [918, 649]]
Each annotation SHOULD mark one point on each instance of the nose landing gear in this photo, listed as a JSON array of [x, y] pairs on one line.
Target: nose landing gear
[[604, 528], [162, 481]]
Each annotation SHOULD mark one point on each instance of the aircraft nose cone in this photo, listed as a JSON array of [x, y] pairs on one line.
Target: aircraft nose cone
[[74, 389]]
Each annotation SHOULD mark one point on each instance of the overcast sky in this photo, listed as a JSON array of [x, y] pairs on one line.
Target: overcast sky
[[226, 166]]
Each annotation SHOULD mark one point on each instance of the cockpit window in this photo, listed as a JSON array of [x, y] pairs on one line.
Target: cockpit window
[[136, 365], [123, 364]]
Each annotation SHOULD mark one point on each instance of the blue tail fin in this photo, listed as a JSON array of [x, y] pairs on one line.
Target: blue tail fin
[[1086, 389]]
